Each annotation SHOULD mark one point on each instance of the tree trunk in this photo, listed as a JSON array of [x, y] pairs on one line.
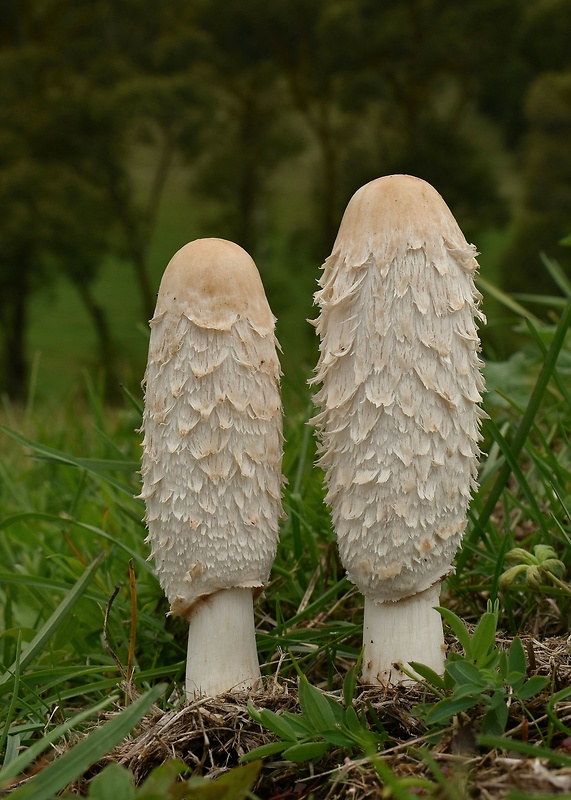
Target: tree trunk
[[15, 359], [101, 326], [249, 187], [107, 356]]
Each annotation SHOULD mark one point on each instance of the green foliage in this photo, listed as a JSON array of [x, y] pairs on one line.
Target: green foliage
[[539, 569], [544, 219], [165, 783], [485, 677], [72, 764], [322, 724]]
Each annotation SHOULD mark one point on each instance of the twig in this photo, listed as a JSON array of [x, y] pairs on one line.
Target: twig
[[106, 642], [133, 630]]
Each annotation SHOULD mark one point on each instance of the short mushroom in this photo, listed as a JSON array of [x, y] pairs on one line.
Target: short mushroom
[[212, 453], [399, 420]]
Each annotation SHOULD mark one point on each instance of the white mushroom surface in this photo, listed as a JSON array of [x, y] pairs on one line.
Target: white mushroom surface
[[399, 420], [212, 426]]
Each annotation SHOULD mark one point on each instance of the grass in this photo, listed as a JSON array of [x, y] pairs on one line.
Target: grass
[[83, 626]]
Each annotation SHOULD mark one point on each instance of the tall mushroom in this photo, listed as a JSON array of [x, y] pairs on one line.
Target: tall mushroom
[[399, 417], [212, 454]]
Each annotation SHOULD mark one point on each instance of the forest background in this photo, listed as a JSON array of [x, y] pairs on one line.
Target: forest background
[[129, 128]]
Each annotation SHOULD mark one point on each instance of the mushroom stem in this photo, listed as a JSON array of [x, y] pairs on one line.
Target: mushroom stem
[[400, 632], [222, 654]]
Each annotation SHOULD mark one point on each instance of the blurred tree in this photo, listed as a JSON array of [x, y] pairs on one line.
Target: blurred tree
[[80, 88], [145, 91], [392, 87], [245, 132], [544, 212], [432, 57], [45, 200], [325, 50]]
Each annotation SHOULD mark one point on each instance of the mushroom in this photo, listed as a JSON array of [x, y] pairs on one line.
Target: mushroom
[[399, 420], [212, 450]]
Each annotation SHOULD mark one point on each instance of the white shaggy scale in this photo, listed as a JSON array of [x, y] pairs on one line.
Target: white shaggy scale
[[399, 420]]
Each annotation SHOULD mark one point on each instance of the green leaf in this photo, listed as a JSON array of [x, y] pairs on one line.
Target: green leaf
[[491, 290], [495, 718], [532, 687], [320, 712], [566, 241], [352, 721], [458, 628], [484, 638], [300, 726], [65, 769], [236, 784], [446, 709], [517, 661], [429, 675], [470, 690], [254, 713], [552, 712], [306, 752], [98, 468], [113, 782], [15, 519], [160, 781], [278, 725], [532, 750], [557, 273], [339, 737], [264, 750], [465, 672], [14, 699], [349, 684], [525, 425]]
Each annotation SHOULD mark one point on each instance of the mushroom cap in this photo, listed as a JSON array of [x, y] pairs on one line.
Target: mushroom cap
[[215, 282], [396, 212], [401, 382], [212, 425]]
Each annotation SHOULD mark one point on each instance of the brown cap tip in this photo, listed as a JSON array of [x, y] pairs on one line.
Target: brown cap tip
[[214, 282]]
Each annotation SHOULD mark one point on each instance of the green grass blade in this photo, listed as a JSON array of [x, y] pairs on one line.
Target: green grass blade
[[505, 299], [14, 699], [97, 467], [65, 769], [524, 427], [135, 402], [532, 750], [557, 273], [549, 300], [12, 748], [520, 477], [53, 623], [559, 382], [14, 518], [22, 761]]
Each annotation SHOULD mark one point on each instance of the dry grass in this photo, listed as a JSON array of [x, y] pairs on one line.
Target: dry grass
[[211, 735]]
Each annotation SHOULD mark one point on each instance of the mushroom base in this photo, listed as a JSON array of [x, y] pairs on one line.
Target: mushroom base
[[222, 655], [401, 632]]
